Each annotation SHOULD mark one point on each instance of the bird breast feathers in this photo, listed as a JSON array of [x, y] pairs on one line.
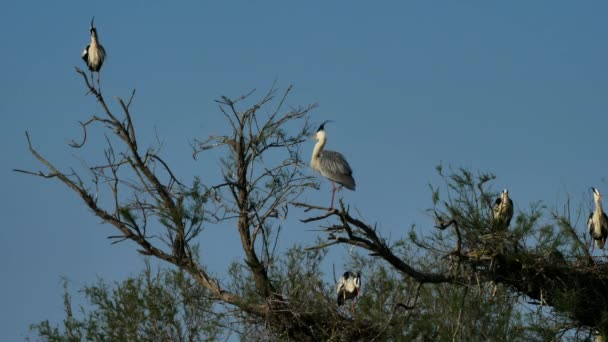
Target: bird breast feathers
[[350, 287], [347, 286], [597, 222], [95, 55]]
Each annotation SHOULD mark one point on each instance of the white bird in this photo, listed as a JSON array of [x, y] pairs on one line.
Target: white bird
[[348, 287], [94, 54], [331, 164], [502, 212], [598, 221]]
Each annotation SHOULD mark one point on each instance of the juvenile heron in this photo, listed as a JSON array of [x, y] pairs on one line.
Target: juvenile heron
[[94, 54], [598, 221], [349, 287], [502, 212], [331, 164]]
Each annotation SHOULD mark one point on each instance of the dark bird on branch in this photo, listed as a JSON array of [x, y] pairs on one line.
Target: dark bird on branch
[[598, 221], [331, 164], [349, 287], [502, 212], [94, 54]]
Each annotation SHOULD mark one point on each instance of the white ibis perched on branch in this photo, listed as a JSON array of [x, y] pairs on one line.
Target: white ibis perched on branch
[[331, 164], [502, 212], [94, 54], [349, 287], [598, 221]]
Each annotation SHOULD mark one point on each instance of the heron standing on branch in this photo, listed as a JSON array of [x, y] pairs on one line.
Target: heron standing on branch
[[502, 212], [349, 287], [331, 164], [94, 54], [598, 221]]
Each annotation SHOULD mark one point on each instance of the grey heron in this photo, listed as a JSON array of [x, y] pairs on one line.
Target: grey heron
[[94, 54], [502, 212], [598, 221], [331, 164], [348, 287]]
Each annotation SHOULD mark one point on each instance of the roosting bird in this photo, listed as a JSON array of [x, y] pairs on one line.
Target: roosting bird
[[331, 164], [349, 287], [502, 212], [94, 54], [598, 221]]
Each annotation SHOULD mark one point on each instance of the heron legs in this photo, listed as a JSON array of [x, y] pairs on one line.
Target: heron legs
[[353, 302], [334, 188], [98, 81]]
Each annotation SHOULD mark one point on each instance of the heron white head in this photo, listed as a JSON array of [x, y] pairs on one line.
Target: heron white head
[[92, 29], [596, 194], [320, 135]]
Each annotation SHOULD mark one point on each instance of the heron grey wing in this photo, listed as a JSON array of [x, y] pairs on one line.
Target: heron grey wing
[[510, 211], [102, 52], [335, 162], [335, 167], [590, 224], [604, 224]]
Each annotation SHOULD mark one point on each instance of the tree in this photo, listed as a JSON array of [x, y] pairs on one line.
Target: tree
[[467, 279], [153, 306]]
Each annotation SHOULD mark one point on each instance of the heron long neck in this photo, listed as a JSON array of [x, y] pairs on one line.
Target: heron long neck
[[316, 151], [598, 205], [94, 38]]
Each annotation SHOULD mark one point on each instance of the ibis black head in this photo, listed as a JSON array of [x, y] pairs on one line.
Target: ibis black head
[[322, 127]]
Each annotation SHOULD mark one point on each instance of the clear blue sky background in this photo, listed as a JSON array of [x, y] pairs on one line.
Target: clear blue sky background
[[519, 89]]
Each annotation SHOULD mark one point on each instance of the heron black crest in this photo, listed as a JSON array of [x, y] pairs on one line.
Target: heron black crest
[[322, 127]]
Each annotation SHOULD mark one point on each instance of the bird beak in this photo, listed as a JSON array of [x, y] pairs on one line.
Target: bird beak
[[93, 22]]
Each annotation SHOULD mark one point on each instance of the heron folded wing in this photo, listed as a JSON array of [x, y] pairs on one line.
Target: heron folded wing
[[334, 166]]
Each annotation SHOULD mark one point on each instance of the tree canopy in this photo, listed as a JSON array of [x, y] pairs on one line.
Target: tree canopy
[[467, 278]]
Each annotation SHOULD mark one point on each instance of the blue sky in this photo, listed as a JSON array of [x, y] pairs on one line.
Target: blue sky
[[518, 90]]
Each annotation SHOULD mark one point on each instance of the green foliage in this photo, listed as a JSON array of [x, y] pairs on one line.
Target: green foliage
[[153, 306]]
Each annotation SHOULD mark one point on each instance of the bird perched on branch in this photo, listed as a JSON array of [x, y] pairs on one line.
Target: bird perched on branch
[[349, 287], [598, 221], [331, 164], [502, 212], [94, 54]]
